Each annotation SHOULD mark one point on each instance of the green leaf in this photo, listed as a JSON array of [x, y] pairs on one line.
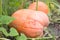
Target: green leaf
[[13, 32], [22, 37], [4, 31], [4, 19]]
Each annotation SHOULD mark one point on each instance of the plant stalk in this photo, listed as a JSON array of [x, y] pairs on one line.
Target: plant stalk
[[0, 7], [33, 0], [36, 4]]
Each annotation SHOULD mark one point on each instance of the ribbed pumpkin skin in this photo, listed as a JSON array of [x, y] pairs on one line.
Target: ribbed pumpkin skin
[[41, 7], [30, 22], [33, 32]]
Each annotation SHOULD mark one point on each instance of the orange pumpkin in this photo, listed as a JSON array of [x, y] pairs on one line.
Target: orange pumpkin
[[33, 32], [30, 22], [41, 7]]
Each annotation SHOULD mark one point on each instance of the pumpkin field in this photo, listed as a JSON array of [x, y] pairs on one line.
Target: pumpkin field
[[29, 19]]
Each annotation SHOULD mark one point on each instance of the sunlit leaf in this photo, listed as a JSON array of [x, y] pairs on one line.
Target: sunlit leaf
[[4, 31], [22, 37], [13, 32], [6, 19]]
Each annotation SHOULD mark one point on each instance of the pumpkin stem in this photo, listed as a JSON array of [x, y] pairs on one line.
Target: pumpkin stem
[[33, 0], [36, 4]]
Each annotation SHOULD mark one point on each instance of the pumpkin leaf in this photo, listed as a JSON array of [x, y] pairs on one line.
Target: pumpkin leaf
[[4, 19], [13, 32], [4, 31], [22, 37]]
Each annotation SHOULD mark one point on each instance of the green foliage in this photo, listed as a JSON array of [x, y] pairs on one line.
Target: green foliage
[[4, 19], [54, 13], [0, 7], [10, 6], [22, 37], [12, 32], [4, 31]]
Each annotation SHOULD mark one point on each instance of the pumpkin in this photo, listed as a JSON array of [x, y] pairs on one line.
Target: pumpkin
[[30, 22], [41, 7]]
